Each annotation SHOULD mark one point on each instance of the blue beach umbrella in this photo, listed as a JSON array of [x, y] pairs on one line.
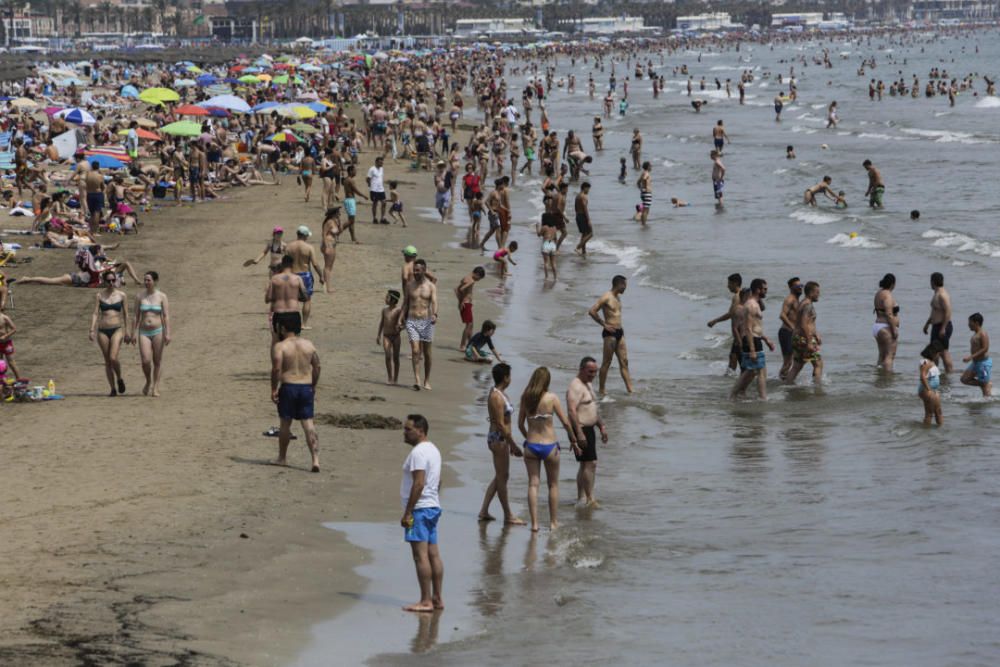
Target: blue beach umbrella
[[263, 106], [105, 161], [130, 91], [206, 80]]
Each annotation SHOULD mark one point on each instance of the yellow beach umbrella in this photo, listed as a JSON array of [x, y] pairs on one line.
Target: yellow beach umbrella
[[158, 95], [264, 77]]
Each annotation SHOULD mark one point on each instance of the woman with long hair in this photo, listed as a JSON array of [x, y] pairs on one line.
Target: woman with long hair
[[538, 406], [109, 327], [328, 243], [501, 444], [886, 327], [151, 331]]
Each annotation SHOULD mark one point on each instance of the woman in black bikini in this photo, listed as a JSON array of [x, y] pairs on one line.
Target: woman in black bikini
[[108, 326], [501, 444], [275, 247]]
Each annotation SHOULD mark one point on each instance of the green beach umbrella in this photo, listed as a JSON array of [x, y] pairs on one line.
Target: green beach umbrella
[[158, 95], [305, 128], [182, 128], [249, 78]]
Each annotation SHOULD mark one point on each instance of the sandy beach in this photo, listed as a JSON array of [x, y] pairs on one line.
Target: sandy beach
[[156, 532]]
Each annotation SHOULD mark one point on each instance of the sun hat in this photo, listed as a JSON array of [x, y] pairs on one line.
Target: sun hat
[[410, 251], [303, 231]]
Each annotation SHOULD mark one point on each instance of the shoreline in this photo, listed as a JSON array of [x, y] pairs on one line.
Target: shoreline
[[112, 573]]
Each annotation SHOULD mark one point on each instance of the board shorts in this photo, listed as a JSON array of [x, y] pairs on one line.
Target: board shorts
[[376, 196], [307, 280], [466, 312], [350, 206], [397, 207], [982, 370], [801, 352], [718, 186], [876, 197], [589, 448], [420, 329], [95, 202], [755, 360], [425, 526], [482, 352], [288, 318], [785, 340], [295, 401], [7, 347], [943, 337], [646, 196], [442, 200], [504, 220], [583, 224], [719, 144], [494, 220]]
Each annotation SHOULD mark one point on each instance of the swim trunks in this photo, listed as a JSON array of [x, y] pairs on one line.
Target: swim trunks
[[583, 224], [982, 370], [936, 334], [549, 247], [295, 401], [424, 528], [618, 334], [785, 340], [718, 186], [466, 312], [442, 200], [647, 199], [589, 447], [420, 329], [876, 197], [397, 207], [291, 319], [718, 143], [307, 280], [376, 196], [800, 348], [95, 202], [494, 220], [7, 347], [350, 206], [753, 361]]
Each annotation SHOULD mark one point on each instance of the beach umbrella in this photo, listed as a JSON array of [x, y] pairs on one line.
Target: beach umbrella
[[206, 80], [264, 106], [318, 107], [263, 77], [217, 112], [145, 122], [191, 110], [308, 67], [194, 69], [298, 112], [158, 95], [305, 128], [24, 104], [182, 128], [230, 102], [251, 70], [284, 135], [249, 78], [70, 81], [220, 89], [309, 96], [104, 161], [185, 83], [143, 134], [130, 91], [77, 116]]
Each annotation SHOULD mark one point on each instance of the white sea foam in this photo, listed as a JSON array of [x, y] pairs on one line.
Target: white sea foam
[[988, 103], [961, 243], [780, 171], [858, 241], [817, 106], [668, 164], [814, 217], [875, 135], [946, 136], [628, 256], [690, 296]]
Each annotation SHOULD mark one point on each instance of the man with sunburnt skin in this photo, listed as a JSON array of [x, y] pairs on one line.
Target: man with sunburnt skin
[[418, 493], [609, 306], [284, 295], [294, 374], [420, 310], [303, 262]]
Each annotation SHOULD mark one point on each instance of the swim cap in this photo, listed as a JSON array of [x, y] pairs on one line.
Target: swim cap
[[303, 231], [410, 251], [277, 230]]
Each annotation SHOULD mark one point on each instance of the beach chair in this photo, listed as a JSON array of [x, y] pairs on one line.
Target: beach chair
[[7, 160], [5, 139]]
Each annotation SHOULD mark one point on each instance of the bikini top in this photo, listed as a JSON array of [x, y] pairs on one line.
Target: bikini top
[[508, 409], [150, 307], [111, 306]]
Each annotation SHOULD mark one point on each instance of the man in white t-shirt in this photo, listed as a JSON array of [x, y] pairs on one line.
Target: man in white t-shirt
[[376, 191], [421, 510]]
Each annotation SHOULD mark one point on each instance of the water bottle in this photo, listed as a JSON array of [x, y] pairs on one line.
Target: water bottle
[[52, 387]]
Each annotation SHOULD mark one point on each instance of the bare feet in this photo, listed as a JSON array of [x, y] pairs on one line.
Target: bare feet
[[420, 607], [315, 467], [487, 517], [427, 386], [514, 521], [438, 603], [279, 462], [145, 390], [554, 525]]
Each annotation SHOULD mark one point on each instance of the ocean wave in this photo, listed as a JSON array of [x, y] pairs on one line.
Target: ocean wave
[[961, 243], [814, 217], [948, 136], [854, 241], [690, 296], [628, 256], [724, 68], [668, 164], [875, 135], [988, 103]]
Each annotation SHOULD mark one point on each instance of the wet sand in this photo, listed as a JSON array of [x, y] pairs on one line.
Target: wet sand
[[153, 530]]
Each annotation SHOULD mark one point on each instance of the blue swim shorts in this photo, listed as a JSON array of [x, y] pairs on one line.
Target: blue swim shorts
[[983, 370], [295, 401], [752, 362], [350, 206], [425, 525], [307, 280]]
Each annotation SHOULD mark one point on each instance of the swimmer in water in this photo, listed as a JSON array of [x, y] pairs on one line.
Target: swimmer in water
[[821, 187], [980, 370]]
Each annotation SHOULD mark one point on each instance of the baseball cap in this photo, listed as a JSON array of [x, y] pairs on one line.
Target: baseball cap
[[303, 231], [277, 230], [410, 251]]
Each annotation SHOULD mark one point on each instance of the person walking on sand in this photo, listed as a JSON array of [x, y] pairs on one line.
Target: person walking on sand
[[534, 420], [420, 308], [939, 320], [418, 493], [151, 331], [389, 327], [294, 375], [463, 292], [351, 193], [329, 238], [980, 370], [303, 263], [283, 295], [609, 307], [376, 191], [581, 406], [109, 327], [500, 442]]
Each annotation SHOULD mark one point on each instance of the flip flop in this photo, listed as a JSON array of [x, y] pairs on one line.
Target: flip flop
[[274, 432]]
